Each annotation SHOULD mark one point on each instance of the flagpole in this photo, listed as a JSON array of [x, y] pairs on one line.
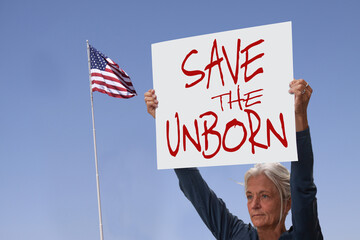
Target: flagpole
[[95, 150]]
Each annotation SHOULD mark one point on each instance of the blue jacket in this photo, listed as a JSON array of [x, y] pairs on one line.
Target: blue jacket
[[224, 225]]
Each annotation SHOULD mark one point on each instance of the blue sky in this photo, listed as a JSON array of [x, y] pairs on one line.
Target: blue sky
[[47, 174]]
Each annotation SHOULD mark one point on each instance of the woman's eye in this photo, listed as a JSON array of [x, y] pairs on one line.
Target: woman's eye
[[249, 197], [265, 196]]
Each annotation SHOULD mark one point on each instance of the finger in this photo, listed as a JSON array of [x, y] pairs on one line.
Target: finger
[[293, 82], [299, 84], [152, 104], [150, 98], [306, 88], [293, 86], [296, 89], [302, 91], [303, 94], [305, 85], [148, 93], [309, 88], [151, 101], [308, 91]]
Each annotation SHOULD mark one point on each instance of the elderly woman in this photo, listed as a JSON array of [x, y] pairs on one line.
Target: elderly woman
[[270, 189]]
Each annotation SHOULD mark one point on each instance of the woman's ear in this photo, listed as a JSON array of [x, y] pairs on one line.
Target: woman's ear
[[288, 206]]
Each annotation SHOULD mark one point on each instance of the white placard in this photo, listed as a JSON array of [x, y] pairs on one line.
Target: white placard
[[223, 98]]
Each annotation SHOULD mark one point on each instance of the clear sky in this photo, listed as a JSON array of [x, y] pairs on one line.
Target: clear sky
[[47, 173]]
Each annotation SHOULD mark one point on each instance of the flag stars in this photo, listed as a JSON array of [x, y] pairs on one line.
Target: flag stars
[[97, 59]]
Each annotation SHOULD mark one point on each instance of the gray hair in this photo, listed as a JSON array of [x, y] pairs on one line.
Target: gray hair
[[278, 174]]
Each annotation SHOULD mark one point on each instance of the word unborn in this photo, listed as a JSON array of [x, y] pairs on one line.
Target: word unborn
[[212, 131]]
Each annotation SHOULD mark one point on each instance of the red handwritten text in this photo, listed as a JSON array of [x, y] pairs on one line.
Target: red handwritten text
[[210, 130], [248, 98], [215, 61]]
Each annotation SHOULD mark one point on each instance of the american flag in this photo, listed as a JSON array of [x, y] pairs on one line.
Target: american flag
[[107, 77]]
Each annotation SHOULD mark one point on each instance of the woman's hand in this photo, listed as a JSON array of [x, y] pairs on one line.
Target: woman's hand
[[151, 102], [302, 92]]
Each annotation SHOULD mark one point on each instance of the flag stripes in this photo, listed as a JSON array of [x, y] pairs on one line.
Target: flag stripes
[[107, 77]]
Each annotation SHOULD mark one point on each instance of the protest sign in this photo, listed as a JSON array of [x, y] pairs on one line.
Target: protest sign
[[223, 98]]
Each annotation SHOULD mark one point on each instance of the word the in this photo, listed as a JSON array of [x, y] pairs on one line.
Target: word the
[[248, 98]]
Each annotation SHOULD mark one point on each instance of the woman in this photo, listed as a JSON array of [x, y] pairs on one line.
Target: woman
[[267, 187]]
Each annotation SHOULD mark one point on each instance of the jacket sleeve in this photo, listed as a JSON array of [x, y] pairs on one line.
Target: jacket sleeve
[[303, 191], [211, 209]]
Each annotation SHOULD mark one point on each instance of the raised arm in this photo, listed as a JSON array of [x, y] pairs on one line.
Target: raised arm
[[303, 190], [211, 209]]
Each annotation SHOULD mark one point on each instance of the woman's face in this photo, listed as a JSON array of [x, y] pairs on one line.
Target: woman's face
[[264, 202]]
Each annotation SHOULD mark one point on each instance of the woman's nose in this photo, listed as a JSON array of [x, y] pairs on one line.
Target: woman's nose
[[255, 203]]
